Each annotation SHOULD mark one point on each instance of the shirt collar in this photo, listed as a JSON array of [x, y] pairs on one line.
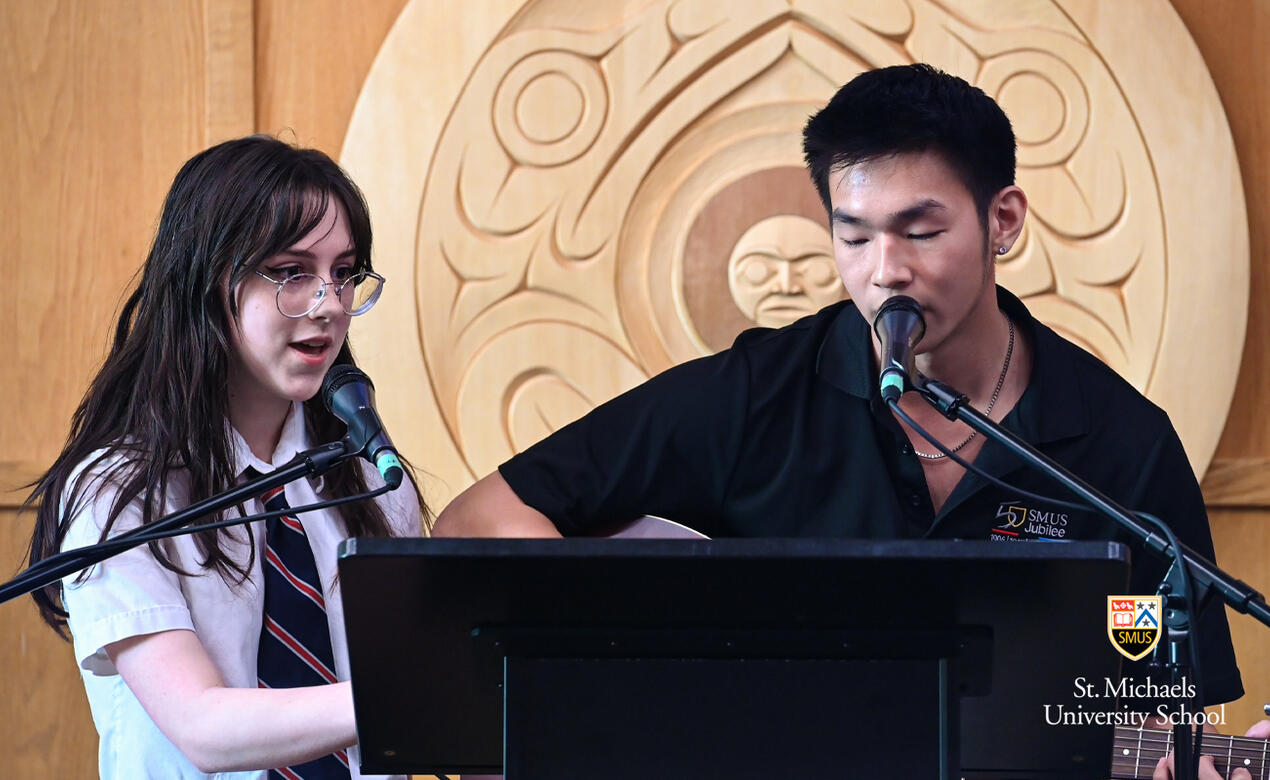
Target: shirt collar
[[845, 359], [1052, 407]]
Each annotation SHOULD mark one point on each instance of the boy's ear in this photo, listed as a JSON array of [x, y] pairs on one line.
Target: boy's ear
[[1005, 218]]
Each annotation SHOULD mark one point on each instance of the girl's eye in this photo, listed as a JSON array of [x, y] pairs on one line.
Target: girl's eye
[[924, 236], [285, 272], [340, 274], [855, 241]]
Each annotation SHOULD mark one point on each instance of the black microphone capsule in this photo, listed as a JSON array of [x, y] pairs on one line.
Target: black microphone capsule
[[350, 395], [899, 325]]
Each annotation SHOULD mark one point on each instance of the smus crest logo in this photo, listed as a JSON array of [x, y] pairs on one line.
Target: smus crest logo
[[1133, 624], [1016, 521]]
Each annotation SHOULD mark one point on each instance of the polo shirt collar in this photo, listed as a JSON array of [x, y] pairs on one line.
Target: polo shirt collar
[[1053, 406], [845, 359]]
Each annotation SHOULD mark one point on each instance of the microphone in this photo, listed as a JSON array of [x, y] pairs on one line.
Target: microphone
[[350, 395], [899, 326]]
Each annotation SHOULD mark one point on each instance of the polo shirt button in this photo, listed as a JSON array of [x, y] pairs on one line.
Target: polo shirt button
[[914, 499], [906, 449]]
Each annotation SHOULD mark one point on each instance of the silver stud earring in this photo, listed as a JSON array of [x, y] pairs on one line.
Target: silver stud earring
[[1002, 250]]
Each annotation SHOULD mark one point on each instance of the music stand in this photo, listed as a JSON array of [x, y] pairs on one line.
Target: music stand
[[727, 657]]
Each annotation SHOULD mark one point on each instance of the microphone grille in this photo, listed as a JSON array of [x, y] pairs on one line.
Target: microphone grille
[[901, 305], [340, 375], [900, 302]]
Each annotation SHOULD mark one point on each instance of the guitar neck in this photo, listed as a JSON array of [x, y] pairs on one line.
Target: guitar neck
[[1135, 753]]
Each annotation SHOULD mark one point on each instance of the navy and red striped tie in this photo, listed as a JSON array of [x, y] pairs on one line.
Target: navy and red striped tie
[[295, 642]]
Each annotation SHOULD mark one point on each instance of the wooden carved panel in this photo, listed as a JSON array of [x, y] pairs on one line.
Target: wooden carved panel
[[578, 196]]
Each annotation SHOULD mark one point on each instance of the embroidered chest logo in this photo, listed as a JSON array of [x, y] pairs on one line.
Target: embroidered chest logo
[[1016, 521]]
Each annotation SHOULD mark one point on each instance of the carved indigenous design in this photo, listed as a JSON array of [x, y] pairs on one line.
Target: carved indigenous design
[[618, 188]]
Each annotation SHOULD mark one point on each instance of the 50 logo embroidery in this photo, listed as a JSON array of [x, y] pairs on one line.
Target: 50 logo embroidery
[[1016, 521]]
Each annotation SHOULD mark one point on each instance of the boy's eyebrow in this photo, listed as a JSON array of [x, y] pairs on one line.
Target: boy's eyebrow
[[916, 211]]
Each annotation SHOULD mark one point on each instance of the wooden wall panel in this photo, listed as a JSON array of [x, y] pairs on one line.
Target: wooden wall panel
[[312, 57], [228, 70], [96, 120], [48, 730]]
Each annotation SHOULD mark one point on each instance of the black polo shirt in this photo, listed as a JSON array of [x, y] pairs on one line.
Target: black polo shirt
[[785, 435]]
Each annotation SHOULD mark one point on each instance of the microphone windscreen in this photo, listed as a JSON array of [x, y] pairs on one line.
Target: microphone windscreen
[[900, 302], [339, 376]]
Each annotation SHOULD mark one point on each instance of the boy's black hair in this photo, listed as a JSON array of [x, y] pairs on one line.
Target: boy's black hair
[[913, 108]]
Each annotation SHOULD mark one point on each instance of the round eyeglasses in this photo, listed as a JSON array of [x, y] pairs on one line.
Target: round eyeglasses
[[299, 295]]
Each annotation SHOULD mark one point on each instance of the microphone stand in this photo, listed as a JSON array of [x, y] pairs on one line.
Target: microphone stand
[[310, 463], [1207, 576]]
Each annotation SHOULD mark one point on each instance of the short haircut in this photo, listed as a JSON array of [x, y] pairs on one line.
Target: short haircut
[[913, 108]]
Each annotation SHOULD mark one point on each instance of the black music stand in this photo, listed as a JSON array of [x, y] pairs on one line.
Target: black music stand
[[737, 658]]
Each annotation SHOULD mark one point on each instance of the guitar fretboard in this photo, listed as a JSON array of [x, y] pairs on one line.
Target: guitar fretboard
[[1137, 751]]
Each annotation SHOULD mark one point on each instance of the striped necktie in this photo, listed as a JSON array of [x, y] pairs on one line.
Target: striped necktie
[[295, 642]]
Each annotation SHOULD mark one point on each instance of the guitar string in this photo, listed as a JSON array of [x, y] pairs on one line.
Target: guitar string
[[1160, 735]]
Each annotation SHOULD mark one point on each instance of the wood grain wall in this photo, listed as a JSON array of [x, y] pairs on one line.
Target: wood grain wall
[[101, 100]]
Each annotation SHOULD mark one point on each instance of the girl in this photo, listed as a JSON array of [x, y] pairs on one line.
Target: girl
[[262, 257]]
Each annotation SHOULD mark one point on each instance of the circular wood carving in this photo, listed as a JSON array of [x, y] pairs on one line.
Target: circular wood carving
[[570, 198]]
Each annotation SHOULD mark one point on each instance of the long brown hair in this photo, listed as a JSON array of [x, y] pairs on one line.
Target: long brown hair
[[159, 401]]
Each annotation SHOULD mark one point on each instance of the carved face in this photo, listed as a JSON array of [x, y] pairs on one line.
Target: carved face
[[781, 269]]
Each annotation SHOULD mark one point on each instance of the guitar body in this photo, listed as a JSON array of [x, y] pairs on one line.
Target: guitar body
[[653, 527]]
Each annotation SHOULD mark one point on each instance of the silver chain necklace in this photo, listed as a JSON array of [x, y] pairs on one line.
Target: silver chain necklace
[[1005, 369]]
